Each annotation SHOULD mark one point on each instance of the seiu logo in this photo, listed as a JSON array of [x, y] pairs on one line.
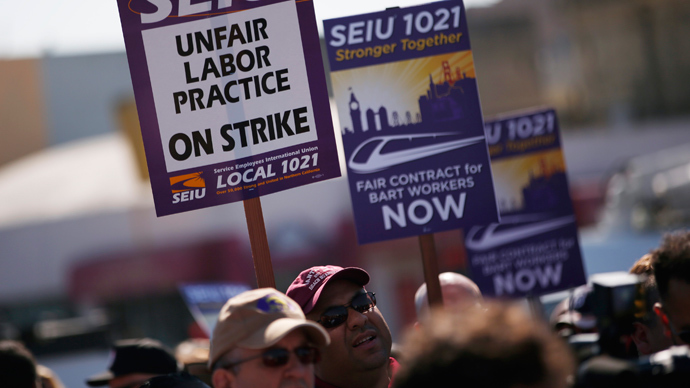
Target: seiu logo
[[187, 187], [153, 11]]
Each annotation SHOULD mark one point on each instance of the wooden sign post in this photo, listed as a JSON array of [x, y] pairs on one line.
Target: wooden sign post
[[430, 264], [261, 255]]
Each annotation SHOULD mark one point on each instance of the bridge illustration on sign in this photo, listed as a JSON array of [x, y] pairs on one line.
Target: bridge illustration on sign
[[386, 144]]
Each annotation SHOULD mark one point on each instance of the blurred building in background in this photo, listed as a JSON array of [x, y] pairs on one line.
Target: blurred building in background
[[597, 62]]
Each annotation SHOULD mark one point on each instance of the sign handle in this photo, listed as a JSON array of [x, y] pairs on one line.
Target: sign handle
[[259, 242], [536, 307], [430, 263]]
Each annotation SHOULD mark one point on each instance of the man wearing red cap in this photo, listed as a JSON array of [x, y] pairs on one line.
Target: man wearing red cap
[[359, 353]]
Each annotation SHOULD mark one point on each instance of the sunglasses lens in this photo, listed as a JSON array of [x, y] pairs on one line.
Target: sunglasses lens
[[276, 357], [337, 315], [333, 317], [307, 355], [364, 302]]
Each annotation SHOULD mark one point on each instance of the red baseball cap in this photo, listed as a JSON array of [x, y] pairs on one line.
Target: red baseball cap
[[307, 287]]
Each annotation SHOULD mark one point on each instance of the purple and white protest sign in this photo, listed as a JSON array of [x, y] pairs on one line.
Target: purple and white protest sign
[[405, 86], [534, 250], [231, 97], [205, 300]]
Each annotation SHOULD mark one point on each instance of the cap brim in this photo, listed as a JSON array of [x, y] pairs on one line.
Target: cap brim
[[278, 329], [100, 379], [354, 274], [577, 319]]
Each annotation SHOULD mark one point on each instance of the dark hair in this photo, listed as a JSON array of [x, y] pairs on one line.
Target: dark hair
[[499, 347], [643, 267], [174, 380], [672, 260], [17, 365]]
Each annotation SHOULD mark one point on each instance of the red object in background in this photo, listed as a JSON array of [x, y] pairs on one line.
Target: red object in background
[[588, 198], [453, 257], [405, 290], [194, 330], [155, 271]]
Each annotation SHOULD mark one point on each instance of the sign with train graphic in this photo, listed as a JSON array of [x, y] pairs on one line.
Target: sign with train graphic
[[406, 90], [534, 250]]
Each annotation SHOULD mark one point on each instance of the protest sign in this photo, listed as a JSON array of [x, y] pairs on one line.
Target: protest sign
[[231, 98], [405, 86], [534, 250], [204, 300]]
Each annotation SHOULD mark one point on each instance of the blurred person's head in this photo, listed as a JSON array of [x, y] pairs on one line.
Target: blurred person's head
[[262, 339], [175, 380], [17, 366], [671, 263], [575, 314], [360, 348], [193, 350], [134, 361], [193, 354], [499, 347], [48, 378], [648, 330], [458, 291]]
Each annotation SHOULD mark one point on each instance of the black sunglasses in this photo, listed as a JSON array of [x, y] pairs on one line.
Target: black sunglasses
[[337, 315], [277, 357]]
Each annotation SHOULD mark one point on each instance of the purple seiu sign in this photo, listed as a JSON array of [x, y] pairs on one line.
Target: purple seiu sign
[[231, 97], [534, 250], [412, 126]]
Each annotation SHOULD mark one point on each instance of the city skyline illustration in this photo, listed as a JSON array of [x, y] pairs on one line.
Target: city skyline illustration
[[402, 94], [531, 183]]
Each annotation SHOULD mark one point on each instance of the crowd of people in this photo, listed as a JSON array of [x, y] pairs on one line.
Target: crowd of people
[[326, 331]]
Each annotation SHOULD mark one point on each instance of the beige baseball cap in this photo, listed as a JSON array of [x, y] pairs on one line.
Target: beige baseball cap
[[257, 319]]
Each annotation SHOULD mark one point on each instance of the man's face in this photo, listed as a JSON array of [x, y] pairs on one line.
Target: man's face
[[362, 343], [677, 306], [254, 374]]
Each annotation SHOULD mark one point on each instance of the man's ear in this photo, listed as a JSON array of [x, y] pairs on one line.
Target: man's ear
[[222, 378], [640, 336], [664, 319]]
